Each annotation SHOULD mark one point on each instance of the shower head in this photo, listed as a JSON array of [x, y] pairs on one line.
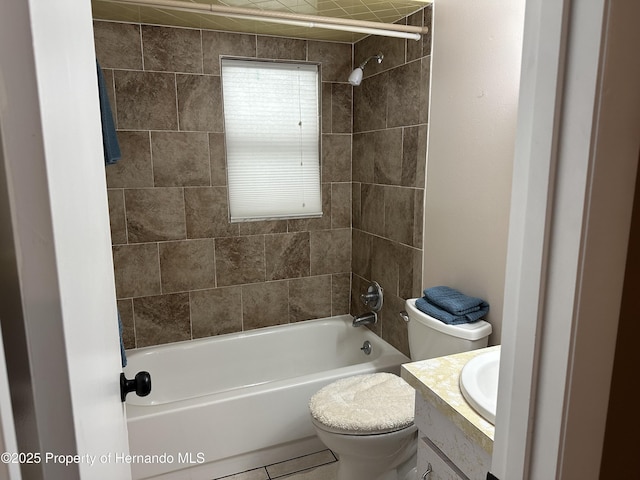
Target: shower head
[[356, 76]]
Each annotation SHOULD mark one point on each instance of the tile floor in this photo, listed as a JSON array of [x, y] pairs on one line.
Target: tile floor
[[316, 466]]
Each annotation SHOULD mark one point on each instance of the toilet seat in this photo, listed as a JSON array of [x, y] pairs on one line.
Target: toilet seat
[[369, 404]]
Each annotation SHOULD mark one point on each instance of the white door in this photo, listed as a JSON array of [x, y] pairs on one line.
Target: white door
[[57, 308], [574, 179]]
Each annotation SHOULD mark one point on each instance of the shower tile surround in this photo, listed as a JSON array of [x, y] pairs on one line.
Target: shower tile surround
[[182, 270]]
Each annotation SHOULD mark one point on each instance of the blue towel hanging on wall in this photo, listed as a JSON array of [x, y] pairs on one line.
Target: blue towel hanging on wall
[[112, 154], [123, 354], [109, 138]]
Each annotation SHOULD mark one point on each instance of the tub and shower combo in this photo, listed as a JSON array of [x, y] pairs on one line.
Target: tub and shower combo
[[234, 402]]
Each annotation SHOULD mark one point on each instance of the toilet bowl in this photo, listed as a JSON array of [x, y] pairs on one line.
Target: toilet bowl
[[368, 420], [372, 457]]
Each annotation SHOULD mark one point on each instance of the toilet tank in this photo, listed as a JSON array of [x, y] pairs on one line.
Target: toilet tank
[[430, 338]]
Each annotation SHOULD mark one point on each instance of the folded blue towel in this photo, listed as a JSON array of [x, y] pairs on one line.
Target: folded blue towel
[[453, 301], [123, 355], [447, 317], [110, 143]]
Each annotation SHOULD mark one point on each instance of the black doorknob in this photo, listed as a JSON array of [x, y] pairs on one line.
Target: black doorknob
[[141, 384]]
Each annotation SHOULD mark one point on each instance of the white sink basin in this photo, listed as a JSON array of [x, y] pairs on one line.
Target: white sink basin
[[479, 383]]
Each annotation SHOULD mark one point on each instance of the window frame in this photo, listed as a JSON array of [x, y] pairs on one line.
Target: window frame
[[293, 215]]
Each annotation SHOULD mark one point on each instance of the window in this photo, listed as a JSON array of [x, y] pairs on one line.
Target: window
[[272, 133]]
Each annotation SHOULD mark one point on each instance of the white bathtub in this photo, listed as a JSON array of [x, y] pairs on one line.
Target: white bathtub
[[230, 403]]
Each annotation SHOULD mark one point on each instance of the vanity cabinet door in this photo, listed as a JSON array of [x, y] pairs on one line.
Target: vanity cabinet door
[[470, 459], [441, 468]]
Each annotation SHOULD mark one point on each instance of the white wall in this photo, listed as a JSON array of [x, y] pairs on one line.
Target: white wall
[[475, 75]]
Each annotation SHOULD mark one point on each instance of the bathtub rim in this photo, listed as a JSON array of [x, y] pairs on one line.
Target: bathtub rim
[[389, 357], [184, 344]]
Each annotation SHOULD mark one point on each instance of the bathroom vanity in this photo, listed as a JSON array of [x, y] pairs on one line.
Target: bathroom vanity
[[453, 439]]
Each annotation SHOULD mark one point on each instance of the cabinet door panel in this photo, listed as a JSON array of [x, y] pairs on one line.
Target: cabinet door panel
[[441, 469]]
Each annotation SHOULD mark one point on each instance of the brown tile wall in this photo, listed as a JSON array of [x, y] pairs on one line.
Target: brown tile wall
[[182, 270], [390, 116]]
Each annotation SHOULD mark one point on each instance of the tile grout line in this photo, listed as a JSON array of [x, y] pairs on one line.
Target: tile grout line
[[290, 474], [306, 469]]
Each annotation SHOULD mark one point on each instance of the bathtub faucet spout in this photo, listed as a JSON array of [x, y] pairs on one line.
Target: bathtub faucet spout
[[368, 318]]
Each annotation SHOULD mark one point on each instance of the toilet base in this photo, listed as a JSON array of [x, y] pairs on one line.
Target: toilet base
[[389, 456], [350, 468]]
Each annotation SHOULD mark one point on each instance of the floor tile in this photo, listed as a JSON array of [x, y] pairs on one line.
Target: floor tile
[[299, 464], [325, 472], [257, 474]]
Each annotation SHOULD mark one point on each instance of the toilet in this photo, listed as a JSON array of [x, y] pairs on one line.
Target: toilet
[[368, 420]]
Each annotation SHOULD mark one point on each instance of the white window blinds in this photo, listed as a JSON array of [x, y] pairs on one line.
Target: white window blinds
[[272, 138]]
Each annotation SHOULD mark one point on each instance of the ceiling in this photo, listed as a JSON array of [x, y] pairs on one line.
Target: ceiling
[[385, 11]]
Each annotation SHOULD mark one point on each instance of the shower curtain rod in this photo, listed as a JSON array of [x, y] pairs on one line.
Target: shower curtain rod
[[301, 20]]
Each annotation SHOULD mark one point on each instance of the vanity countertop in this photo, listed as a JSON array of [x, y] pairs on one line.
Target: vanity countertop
[[437, 380]]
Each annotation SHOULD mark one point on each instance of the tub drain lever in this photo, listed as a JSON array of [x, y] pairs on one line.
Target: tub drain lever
[[366, 347], [141, 384]]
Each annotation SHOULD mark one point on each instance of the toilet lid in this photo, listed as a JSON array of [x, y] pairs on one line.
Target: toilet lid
[[364, 404]]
